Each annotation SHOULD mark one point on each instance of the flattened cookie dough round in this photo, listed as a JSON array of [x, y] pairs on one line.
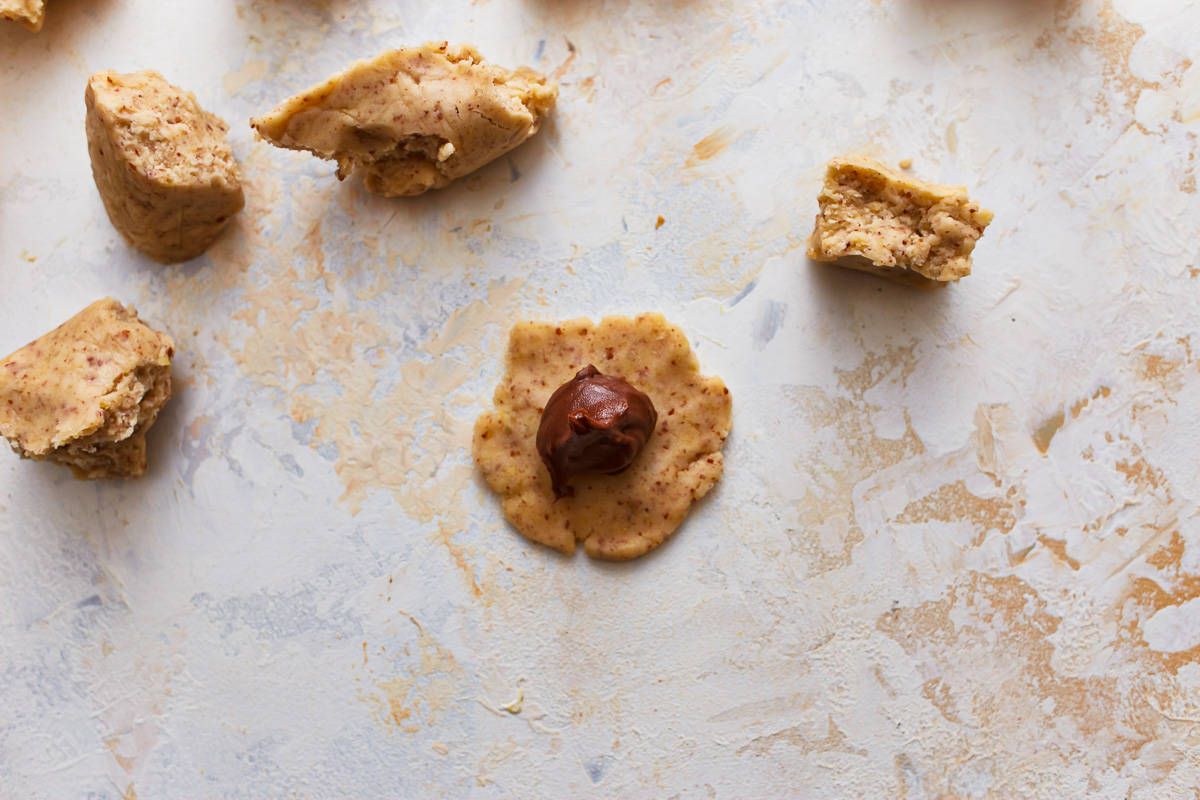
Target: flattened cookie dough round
[[618, 516]]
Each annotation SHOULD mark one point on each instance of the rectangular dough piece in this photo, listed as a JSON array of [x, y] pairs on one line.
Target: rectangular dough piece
[[85, 393], [30, 13], [875, 219]]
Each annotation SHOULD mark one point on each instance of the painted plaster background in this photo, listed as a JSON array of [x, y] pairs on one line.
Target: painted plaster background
[[956, 551]]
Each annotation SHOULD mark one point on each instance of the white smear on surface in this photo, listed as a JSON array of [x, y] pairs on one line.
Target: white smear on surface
[[1174, 629]]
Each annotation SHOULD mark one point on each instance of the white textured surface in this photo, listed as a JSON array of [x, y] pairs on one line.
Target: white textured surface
[[956, 552]]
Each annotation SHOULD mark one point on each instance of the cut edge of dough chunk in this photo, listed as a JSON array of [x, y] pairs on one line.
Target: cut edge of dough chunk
[[162, 164], [413, 119], [876, 219], [616, 517], [30, 13], [84, 394]]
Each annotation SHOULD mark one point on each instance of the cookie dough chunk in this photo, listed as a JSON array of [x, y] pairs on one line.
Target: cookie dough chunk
[[30, 13], [878, 220], [619, 516], [413, 119], [162, 164], [85, 394]]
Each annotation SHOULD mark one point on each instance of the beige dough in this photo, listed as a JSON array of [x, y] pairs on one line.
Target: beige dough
[[162, 164], [878, 220], [85, 394], [615, 516], [30, 13], [413, 119]]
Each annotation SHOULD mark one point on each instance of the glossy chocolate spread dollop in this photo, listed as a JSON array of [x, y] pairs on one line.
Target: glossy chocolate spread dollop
[[593, 423]]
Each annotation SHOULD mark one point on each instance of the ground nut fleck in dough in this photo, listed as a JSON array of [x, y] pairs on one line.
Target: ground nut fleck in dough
[[878, 220], [85, 394], [413, 119], [162, 164], [618, 516], [30, 13]]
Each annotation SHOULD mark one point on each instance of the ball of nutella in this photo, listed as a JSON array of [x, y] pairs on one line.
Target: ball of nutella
[[593, 423]]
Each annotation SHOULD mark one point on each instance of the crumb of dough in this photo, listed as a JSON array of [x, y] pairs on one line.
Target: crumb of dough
[[413, 119], [878, 220], [30, 13], [906, 163], [618, 516], [162, 164], [85, 393]]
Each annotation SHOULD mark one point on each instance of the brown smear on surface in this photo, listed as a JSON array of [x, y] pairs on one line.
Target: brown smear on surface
[[875, 367], [1158, 368], [984, 440], [230, 255], [423, 691], [1187, 183], [1147, 597], [1113, 38], [1023, 667], [124, 762], [565, 66], [954, 502], [1080, 405], [1173, 587], [711, 146], [852, 452], [396, 692], [1003, 628], [1140, 474], [1032, 672], [1156, 573], [446, 536], [1059, 549], [938, 692], [801, 738], [730, 258], [1045, 432], [298, 329]]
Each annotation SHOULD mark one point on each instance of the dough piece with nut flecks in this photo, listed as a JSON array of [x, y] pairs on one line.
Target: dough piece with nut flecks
[[162, 164], [878, 220], [413, 119], [85, 393]]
